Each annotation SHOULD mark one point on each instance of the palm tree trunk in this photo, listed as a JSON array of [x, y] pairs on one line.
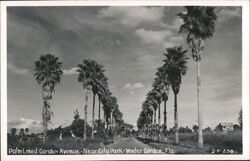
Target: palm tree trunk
[[85, 115], [165, 119], [46, 118], [44, 122], [45, 130], [99, 115], [200, 135], [147, 127], [99, 109], [93, 117], [111, 121], [154, 117], [159, 115], [104, 118], [159, 120], [154, 127], [176, 120]]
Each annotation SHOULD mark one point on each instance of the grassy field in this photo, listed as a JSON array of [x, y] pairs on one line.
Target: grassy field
[[229, 143], [55, 144]]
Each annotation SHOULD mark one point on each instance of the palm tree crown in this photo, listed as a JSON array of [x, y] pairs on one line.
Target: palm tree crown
[[199, 24], [48, 71], [88, 72], [175, 66]]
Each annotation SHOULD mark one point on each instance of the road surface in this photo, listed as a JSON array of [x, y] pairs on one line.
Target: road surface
[[130, 142], [131, 146]]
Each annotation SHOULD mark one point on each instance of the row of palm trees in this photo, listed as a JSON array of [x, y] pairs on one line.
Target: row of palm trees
[[198, 25], [48, 74], [168, 75]]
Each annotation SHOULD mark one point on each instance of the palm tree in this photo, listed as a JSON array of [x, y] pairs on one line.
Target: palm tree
[[141, 121], [97, 71], [199, 24], [94, 90], [175, 66], [85, 76], [48, 73], [103, 86], [152, 101], [240, 118], [157, 91], [148, 113], [151, 98], [106, 99], [162, 75], [112, 105]]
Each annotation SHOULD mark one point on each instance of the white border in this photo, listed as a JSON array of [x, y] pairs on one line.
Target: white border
[[245, 78]]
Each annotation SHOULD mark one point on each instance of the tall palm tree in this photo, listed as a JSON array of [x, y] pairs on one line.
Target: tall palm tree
[[175, 66], [151, 98], [199, 24], [157, 91], [103, 86], [141, 121], [113, 105], [85, 76], [92, 72], [97, 71], [148, 113], [152, 101], [105, 99], [48, 73], [163, 77]]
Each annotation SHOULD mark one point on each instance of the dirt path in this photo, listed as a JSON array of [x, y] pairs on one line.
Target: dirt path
[[130, 142]]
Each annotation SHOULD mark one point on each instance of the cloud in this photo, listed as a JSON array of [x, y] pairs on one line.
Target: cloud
[[136, 85], [133, 16], [227, 13], [165, 38], [152, 37], [222, 88], [175, 24], [173, 41], [17, 70], [33, 125], [71, 71]]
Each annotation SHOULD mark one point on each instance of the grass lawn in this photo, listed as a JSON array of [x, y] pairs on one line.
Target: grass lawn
[[66, 144], [229, 143]]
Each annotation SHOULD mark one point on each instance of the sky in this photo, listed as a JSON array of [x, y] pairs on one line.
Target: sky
[[129, 42]]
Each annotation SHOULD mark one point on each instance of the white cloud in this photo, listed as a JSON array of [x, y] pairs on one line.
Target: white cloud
[[136, 85], [17, 70], [71, 71], [118, 42], [227, 13], [165, 38], [133, 16], [147, 58], [175, 24], [33, 125], [173, 41], [152, 37]]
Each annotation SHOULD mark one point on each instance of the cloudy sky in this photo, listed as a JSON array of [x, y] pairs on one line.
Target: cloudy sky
[[129, 42]]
